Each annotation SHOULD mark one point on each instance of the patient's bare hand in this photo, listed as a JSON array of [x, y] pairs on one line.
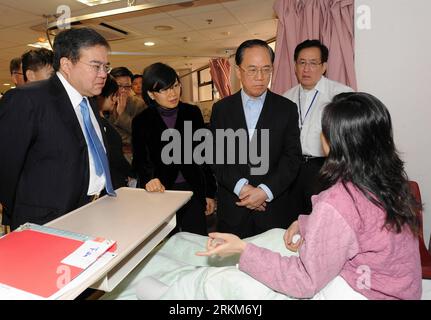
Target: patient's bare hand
[[223, 244], [292, 237]]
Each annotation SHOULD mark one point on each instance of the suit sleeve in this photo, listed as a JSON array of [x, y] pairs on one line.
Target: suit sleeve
[[210, 183], [142, 163], [279, 179], [227, 175], [17, 131]]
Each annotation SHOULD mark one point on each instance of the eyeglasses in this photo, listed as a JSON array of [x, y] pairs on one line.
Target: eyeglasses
[[253, 71], [312, 64], [16, 72], [175, 87], [98, 67], [125, 87]]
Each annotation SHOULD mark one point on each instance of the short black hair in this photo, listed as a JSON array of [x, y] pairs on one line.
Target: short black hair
[[68, 43], [239, 55], [136, 76], [121, 72], [15, 65], [36, 59], [156, 77], [324, 52], [110, 87]]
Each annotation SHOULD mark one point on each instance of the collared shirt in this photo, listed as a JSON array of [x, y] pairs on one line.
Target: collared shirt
[[252, 108], [96, 184], [311, 111]]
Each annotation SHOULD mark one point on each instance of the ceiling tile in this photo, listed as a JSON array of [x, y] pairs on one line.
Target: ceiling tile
[[148, 27], [263, 29], [218, 18], [196, 10], [242, 18], [254, 11], [225, 32]]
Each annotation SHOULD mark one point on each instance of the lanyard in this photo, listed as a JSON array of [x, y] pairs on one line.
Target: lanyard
[[309, 108]]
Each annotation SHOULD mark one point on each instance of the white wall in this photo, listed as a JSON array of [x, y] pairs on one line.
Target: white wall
[[393, 62]]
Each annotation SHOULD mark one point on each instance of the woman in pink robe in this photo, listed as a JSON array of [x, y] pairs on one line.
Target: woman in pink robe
[[363, 227]]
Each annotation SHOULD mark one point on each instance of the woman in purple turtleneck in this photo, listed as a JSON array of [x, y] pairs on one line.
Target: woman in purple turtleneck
[[161, 90]]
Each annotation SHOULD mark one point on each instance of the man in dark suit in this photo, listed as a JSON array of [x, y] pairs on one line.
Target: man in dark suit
[[53, 158], [250, 203]]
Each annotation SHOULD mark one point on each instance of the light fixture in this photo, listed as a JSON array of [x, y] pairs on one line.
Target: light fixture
[[41, 43], [6, 84], [96, 2], [149, 44], [163, 28]]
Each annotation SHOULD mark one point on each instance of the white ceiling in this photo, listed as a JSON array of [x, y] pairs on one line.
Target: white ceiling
[[232, 21]]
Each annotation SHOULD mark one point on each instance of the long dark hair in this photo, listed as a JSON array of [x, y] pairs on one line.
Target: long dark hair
[[358, 129]]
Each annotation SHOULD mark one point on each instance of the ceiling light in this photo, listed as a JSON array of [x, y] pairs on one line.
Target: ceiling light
[[96, 2], [6, 84], [163, 28], [149, 43], [39, 44]]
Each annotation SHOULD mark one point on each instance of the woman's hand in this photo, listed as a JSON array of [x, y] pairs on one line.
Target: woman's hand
[[292, 237], [223, 244], [210, 206], [154, 185]]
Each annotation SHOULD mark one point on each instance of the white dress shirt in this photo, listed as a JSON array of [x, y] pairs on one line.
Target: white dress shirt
[[97, 183], [311, 111], [252, 108]]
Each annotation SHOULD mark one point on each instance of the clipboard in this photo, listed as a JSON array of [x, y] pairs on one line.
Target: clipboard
[[31, 259]]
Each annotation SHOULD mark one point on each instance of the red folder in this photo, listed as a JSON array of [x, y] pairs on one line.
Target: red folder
[[31, 261]]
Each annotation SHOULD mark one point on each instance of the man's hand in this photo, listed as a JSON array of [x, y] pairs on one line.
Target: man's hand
[[210, 206], [252, 198], [121, 103]]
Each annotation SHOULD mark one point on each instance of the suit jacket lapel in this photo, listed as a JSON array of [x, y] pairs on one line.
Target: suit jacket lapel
[[238, 111], [264, 119], [179, 123], [65, 109], [95, 108]]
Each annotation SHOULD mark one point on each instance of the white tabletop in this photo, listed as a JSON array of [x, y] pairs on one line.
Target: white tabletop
[[137, 220]]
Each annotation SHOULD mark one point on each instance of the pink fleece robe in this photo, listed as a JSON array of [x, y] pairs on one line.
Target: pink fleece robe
[[346, 240]]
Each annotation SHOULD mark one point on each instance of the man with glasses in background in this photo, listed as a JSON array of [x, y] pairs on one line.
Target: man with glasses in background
[[55, 159], [37, 64], [249, 204], [16, 73], [129, 105], [311, 95]]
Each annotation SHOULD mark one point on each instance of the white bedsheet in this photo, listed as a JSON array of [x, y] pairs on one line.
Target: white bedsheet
[[174, 272]]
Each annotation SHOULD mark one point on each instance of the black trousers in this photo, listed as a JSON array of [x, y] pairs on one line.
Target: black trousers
[[304, 186], [191, 217]]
